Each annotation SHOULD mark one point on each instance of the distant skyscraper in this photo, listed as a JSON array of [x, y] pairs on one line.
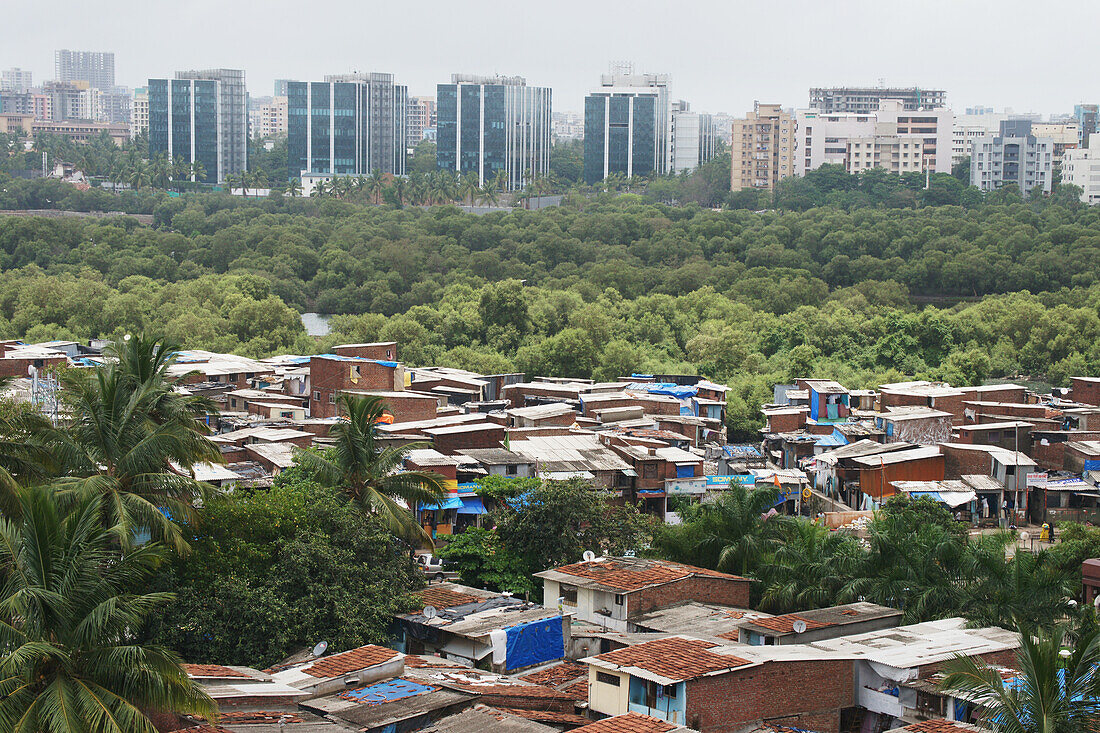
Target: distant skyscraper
[[865, 100], [627, 126], [201, 115], [15, 80], [490, 125], [1088, 120], [346, 125], [693, 138], [139, 112], [762, 151], [421, 116], [95, 67]]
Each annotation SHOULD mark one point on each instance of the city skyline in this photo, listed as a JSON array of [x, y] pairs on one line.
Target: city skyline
[[567, 46]]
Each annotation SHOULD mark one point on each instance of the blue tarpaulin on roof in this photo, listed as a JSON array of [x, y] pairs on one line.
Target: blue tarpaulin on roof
[[534, 643], [451, 501], [678, 391], [830, 441], [471, 505], [388, 691]]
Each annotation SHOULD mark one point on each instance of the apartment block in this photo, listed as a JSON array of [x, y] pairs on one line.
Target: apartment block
[[269, 119], [95, 67], [763, 148], [865, 100], [1013, 157], [1081, 167], [139, 112], [693, 138], [420, 119], [16, 80]]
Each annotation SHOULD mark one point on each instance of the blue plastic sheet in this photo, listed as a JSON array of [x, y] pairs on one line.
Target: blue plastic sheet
[[449, 502], [679, 391], [534, 643], [388, 691], [471, 505]]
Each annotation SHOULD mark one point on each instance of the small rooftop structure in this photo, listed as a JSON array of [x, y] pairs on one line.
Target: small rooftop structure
[[670, 660], [700, 619], [632, 723], [627, 574], [818, 623], [322, 675]]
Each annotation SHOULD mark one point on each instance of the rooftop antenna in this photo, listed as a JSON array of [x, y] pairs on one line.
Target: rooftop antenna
[[320, 648], [799, 626], [589, 556], [882, 82]]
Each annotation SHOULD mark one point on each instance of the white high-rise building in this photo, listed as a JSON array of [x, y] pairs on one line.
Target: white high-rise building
[[95, 67], [1013, 157], [1081, 167], [16, 80], [693, 138], [139, 112], [892, 138]]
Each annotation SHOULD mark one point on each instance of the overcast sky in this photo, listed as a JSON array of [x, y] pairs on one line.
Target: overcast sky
[[722, 54]]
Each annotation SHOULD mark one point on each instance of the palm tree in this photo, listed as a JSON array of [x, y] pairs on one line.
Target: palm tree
[[468, 187], [198, 170], [22, 457], [810, 569], [139, 176], [375, 183], [1057, 690], [488, 195], [369, 474], [400, 190], [733, 534], [294, 187], [132, 439], [70, 662]]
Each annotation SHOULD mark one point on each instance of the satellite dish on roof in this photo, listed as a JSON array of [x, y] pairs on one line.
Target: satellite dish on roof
[[589, 556], [799, 626], [320, 648], [429, 612]]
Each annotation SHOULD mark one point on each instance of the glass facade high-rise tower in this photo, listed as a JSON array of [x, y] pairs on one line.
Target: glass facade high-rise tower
[[203, 116], [493, 125], [346, 125], [627, 126]]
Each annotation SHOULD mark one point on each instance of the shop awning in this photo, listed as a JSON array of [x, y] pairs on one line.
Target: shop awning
[[451, 501], [471, 505], [950, 498]]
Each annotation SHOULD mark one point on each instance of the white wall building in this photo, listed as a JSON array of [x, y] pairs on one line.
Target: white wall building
[[139, 112], [1015, 157], [893, 138], [1081, 167]]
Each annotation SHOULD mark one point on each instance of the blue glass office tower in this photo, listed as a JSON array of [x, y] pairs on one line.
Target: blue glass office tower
[[627, 127], [492, 125], [203, 116], [347, 125]]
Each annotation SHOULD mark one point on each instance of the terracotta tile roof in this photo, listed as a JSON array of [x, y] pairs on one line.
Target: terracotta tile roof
[[350, 661], [578, 689], [238, 717], [785, 624], [939, 726], [211, 670], [441, 597], [203, 728], [636, 574], [547, 716], [629, 723], [559, 674], [674, 657]]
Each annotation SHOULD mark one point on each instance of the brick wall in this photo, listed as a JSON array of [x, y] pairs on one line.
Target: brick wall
[[328, 377], [19, 367], [1049, 457], [451, 442], [803, 694], [382, 351], [1021, 411], [1007, 393], [1085, 391], [787, 422], [965, 461], [894, 399], [950, 403], [704, 590]]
